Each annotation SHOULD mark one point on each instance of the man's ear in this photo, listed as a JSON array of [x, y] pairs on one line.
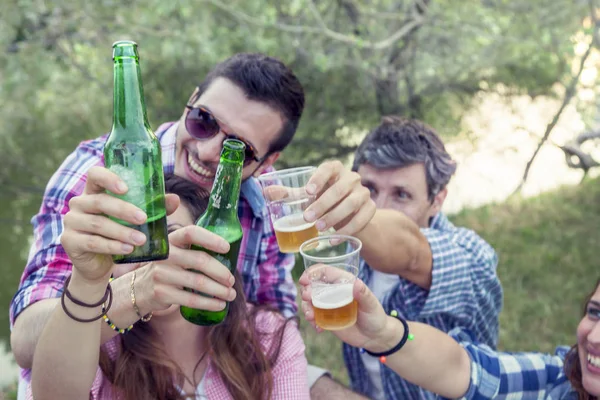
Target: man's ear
[[438, 201], [270, 160]]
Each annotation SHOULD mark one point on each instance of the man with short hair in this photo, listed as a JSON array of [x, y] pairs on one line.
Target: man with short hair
[[252, 97], [447, 277]]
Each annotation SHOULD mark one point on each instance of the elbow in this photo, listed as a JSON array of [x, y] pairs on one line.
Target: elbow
[[22, 353], [463, 373], [420, 264]]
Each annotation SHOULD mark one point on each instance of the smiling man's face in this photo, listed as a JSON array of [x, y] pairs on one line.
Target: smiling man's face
[[254, 122]]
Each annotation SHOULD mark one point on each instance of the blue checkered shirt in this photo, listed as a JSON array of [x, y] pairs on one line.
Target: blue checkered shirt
[[515, 376], [465, 292]]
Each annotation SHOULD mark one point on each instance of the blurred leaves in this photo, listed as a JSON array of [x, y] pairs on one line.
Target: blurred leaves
[[56, 83]]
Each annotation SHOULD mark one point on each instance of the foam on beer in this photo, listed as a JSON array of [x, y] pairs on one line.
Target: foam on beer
[[292, 223], [327, 297]]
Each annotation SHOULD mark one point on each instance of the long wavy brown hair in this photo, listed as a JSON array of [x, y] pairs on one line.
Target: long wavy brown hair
[[573, 364], [143, 369]]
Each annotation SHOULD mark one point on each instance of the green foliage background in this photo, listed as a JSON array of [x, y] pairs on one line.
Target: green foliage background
[[357, 60]]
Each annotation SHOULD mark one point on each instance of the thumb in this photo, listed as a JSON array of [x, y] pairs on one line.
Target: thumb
[[172, 202], [275, 193], [367, 302]]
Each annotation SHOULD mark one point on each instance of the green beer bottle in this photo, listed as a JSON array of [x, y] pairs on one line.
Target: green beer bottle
[[221, 217], [133, 152]]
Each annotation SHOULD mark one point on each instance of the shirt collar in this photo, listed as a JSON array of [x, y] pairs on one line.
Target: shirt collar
[[168, 143], [253, 194], [440, 221]]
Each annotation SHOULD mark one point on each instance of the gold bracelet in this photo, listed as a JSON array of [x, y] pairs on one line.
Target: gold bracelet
[[146, 317]]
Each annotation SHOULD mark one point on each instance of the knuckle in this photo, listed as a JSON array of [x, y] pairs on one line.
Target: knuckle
[[199, 281], [156, 273], [64, 238], [372, 205], [114, 247], [188, 234], [158, 293], [92, 243], [357, 202], [94, 171], [75, 202], [365, 196], [338, 191], [68, 219], [198, 302], [97, 202], [95, 223]]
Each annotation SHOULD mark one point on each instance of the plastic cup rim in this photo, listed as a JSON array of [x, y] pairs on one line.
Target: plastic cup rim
[[346, 238], [285, 173]]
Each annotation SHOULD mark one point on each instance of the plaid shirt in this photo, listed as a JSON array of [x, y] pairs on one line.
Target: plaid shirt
[[266, 272], [290, 381], [516, 376], [465, 292]]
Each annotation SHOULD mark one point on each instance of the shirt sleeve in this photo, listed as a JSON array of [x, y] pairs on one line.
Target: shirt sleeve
[[464, 282], [276, 285], [48, 265], [290, 379], [501, 375]]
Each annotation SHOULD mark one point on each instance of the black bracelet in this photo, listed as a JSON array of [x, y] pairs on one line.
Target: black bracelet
[[405, 337], [81, 303], [85, 320]]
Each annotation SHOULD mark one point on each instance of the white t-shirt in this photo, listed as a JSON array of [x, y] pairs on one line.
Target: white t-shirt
[[380, 284]]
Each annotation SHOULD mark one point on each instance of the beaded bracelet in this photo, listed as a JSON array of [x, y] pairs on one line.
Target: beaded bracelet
[[406, 336], [113, 326]]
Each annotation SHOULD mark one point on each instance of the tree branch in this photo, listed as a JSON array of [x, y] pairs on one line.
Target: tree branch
[[569, 93], [576, 157], [317, 15], [323, 30]]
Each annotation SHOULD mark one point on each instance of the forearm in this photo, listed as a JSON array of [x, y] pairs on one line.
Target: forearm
[[67, 353], [327, 388], [432, 360], [394, 244], [28, 328], [31, 322]]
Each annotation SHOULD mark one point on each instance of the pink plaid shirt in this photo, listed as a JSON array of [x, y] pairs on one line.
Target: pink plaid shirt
[[290, 381]]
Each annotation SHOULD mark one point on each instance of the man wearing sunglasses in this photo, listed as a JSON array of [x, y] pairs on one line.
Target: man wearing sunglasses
[[251, 97]]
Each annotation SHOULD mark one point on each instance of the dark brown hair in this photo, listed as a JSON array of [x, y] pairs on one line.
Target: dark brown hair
[[143, 370], [267, 80], [573, 363]]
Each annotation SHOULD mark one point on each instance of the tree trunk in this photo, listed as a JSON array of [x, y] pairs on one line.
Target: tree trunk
[[388, 97]]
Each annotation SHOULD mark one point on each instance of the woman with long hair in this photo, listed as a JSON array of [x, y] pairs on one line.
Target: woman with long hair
[[453, 365], [254, 354]]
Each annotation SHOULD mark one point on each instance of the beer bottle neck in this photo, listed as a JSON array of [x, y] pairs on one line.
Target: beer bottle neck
[[225, 192], [129, 108]]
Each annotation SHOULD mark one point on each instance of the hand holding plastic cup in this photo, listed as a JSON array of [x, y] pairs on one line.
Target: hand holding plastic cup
[[286, 200], [331, 263]]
